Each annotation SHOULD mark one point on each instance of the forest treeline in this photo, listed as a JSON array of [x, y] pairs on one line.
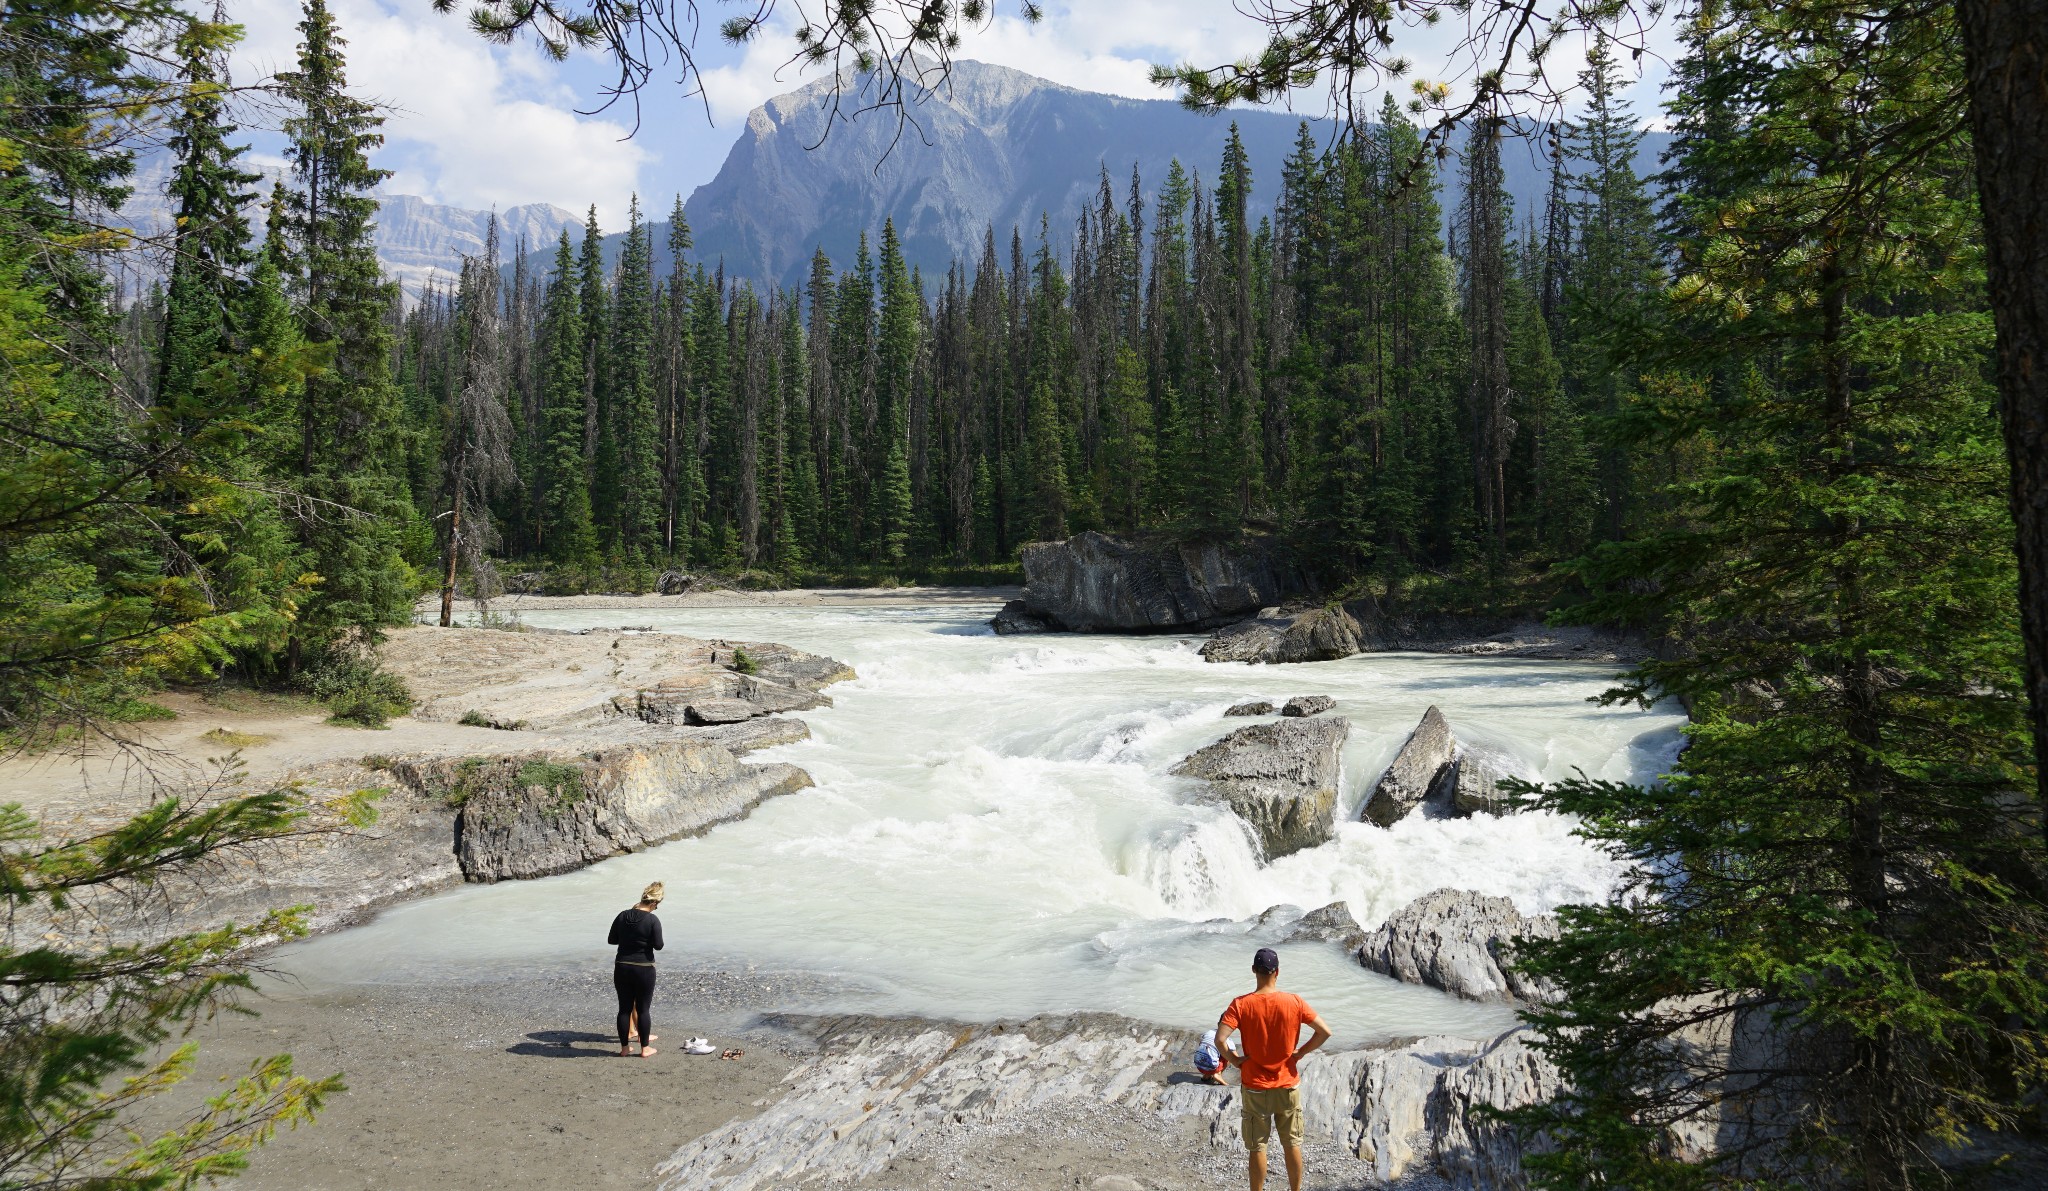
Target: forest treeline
[[1330, 373], [1754, 413]]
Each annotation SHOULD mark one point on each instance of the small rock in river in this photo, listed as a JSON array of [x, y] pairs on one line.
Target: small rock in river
[[1256, 707], [1307, 705]]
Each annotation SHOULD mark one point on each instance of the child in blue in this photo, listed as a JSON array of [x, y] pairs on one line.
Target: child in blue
[[1209, 1060]]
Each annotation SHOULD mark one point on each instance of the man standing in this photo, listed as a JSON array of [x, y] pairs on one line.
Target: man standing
[[1271, 1022]]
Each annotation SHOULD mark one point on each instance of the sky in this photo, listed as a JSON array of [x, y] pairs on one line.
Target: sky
[[481, 126]]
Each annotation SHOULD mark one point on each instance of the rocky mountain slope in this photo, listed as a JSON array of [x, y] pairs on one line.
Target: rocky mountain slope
[[994, 148]]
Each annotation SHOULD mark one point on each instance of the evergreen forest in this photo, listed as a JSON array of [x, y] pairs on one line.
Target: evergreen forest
[[1749, 406]]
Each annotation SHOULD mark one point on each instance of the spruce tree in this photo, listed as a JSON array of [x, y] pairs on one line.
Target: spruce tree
[[566, 529], [635, 429], [349, 427], [1840, 870], [209, 193]]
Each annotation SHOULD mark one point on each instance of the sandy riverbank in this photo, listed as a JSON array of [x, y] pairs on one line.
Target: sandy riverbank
[[517, 1083]]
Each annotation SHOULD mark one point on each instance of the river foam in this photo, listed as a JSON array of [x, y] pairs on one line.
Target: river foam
[[994, 833]]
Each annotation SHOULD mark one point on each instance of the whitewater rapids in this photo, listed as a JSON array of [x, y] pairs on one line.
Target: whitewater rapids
[[993, 833]]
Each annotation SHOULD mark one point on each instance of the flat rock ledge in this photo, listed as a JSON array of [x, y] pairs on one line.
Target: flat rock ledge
[[880, 1088], [603, 678], [1279, 777], [1460, 942]]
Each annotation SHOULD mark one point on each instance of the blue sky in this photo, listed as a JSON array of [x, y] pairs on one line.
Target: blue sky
[[481, 126]]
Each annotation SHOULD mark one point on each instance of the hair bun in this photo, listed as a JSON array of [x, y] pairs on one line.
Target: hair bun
[[653, 893]]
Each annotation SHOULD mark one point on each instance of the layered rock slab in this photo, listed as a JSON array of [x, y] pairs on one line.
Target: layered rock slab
[[1279, 777], [1459, 941], [538, 814], [880, 1088], [1097, 582]]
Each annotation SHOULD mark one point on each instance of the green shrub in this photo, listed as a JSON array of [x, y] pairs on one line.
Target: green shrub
[[476, 719], [743, 662], [565, 782], [357, 692]]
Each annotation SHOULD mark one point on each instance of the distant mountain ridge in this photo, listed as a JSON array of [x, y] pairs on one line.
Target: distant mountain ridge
[[422, 243], [993, 147], [419, 242]]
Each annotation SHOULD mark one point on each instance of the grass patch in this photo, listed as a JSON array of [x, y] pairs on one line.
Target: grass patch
[[378, 762], [228, 738], [564, 782]]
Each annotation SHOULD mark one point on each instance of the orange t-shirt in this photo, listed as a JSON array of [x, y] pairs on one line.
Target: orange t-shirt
[[1271, 1024]]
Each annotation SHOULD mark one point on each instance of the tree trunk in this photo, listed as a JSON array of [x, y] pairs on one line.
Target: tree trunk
[[454, 554], [2006, 46]]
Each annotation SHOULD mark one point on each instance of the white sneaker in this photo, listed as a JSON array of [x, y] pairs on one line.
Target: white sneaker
[[698, 1046]]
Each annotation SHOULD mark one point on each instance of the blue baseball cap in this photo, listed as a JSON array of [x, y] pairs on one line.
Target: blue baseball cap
[[1267, 960]]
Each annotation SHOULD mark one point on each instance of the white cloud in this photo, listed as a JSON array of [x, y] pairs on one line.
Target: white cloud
[[470, 124]]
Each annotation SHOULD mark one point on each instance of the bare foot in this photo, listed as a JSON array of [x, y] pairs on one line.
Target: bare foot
[[652, 1038], [648, 1052]]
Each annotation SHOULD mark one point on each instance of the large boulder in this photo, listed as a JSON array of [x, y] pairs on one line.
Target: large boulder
[[1418, 771], [1316, 635], [1456, 940], [1094, 582], [1280, 777]]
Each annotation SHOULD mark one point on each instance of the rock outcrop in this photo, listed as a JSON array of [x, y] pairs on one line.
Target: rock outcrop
[[538, 814], [1417, 773], [1458, 941], [880, 1088], [1303, 706], [1314, 635], [1280, 777], [1256, 707], [1094, 582]]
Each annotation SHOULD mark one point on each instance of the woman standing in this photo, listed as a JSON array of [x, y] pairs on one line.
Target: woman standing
[[637, 934]]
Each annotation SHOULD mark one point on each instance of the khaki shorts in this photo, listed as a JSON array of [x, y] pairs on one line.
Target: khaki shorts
[[1266, 1107]]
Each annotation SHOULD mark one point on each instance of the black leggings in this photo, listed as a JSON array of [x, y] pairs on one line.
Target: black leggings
[[636, 995]]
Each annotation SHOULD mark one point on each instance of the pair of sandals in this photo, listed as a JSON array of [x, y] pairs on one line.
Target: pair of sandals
[[733, 1052]]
